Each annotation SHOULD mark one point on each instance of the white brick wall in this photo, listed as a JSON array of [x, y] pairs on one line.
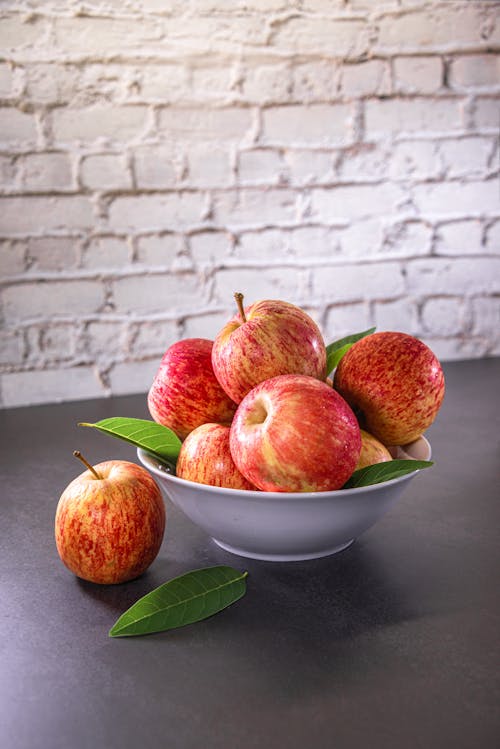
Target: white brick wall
[[155, 157]]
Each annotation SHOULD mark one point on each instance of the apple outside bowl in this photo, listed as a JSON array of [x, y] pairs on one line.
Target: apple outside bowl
[[283, 527]]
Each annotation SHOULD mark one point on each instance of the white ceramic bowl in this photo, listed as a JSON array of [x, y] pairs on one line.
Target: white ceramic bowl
[[284, 527]]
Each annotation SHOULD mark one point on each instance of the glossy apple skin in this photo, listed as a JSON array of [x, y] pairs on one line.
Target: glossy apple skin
[[277, 338], [110, 530], [394, 383], [205, 457], [372, 451], [185, 392], [293, 433]]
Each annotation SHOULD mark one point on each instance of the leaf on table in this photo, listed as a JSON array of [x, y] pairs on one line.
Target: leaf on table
[[154, 438], [336, 350], [186, 599], [379, 472]]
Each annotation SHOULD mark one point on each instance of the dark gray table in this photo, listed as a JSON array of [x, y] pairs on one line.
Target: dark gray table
[[391, 643]]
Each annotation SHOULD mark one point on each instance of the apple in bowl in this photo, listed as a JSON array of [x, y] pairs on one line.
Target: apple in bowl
[[266, 339]]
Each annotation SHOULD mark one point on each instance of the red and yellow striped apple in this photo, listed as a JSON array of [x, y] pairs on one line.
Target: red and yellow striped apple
[[185, 392], [205, 457], [110, 522], [394, 383], [372, 451], [293, 433], [266, 339]]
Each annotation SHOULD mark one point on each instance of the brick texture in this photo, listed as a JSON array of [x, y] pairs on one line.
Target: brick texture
[[340, 154]]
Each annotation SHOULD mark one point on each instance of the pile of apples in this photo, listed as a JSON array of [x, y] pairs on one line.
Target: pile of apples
[[255, 410]]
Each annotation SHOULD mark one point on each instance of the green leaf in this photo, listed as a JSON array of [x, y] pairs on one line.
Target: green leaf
[[336, 350], [183, 600], [156, 439], [380, 472]]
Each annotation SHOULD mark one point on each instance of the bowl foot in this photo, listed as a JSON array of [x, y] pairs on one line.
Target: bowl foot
[[282, 557]]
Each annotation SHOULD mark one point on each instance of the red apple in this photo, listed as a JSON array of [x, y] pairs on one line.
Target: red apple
[[394, 383], [110, 522], [293, 433], [185, 392], [266, 339], [372, 451], [205, 457]]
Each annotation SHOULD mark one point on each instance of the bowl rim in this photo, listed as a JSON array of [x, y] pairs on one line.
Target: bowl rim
[[148, 460]]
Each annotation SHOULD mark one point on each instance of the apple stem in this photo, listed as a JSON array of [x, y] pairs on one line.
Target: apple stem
[[239, 301], [78, 455]]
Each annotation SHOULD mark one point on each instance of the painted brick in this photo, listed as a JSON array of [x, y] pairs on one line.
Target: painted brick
[[466, 157], [230, 124], [354, 202], [418, 75], [492, 242], [472, 71], [261, 166], [309, 167], [104, 339], [486, 319], [407, 238], [368, 78], [18, 31], [307, 35], [453, 276], [88, 124], [50, 386], [105, 253], [487, 113], [364, 162], [162, 250], [452, 198], [54, 342], [266, 84], [11, 347], [148, 294], [314, 82], [49, 299], [6, 80], [157, 166], [209, 167], [313, 242], [400, 314], [30, 214], [410, 115], [8, 172], [167, 82], [259, 283], [16, 126], [355, 283], [346, 319], [156, 212], [105, 172], [46, 172], [132, 376], [314, 125], [12, 257], [435, 29], [52, 254], [154, 337], [88, 35], [361, 239], [443, 316], [253, 206], [262, 246], [210, 247], [459, 238], [415, 159]]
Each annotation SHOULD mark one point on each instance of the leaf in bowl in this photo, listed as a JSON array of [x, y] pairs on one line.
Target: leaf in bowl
[[184, 600], [336, 350], [154, 438], [379, 472]]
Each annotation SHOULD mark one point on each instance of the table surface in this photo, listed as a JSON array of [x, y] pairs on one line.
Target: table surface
[[393, 642]]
